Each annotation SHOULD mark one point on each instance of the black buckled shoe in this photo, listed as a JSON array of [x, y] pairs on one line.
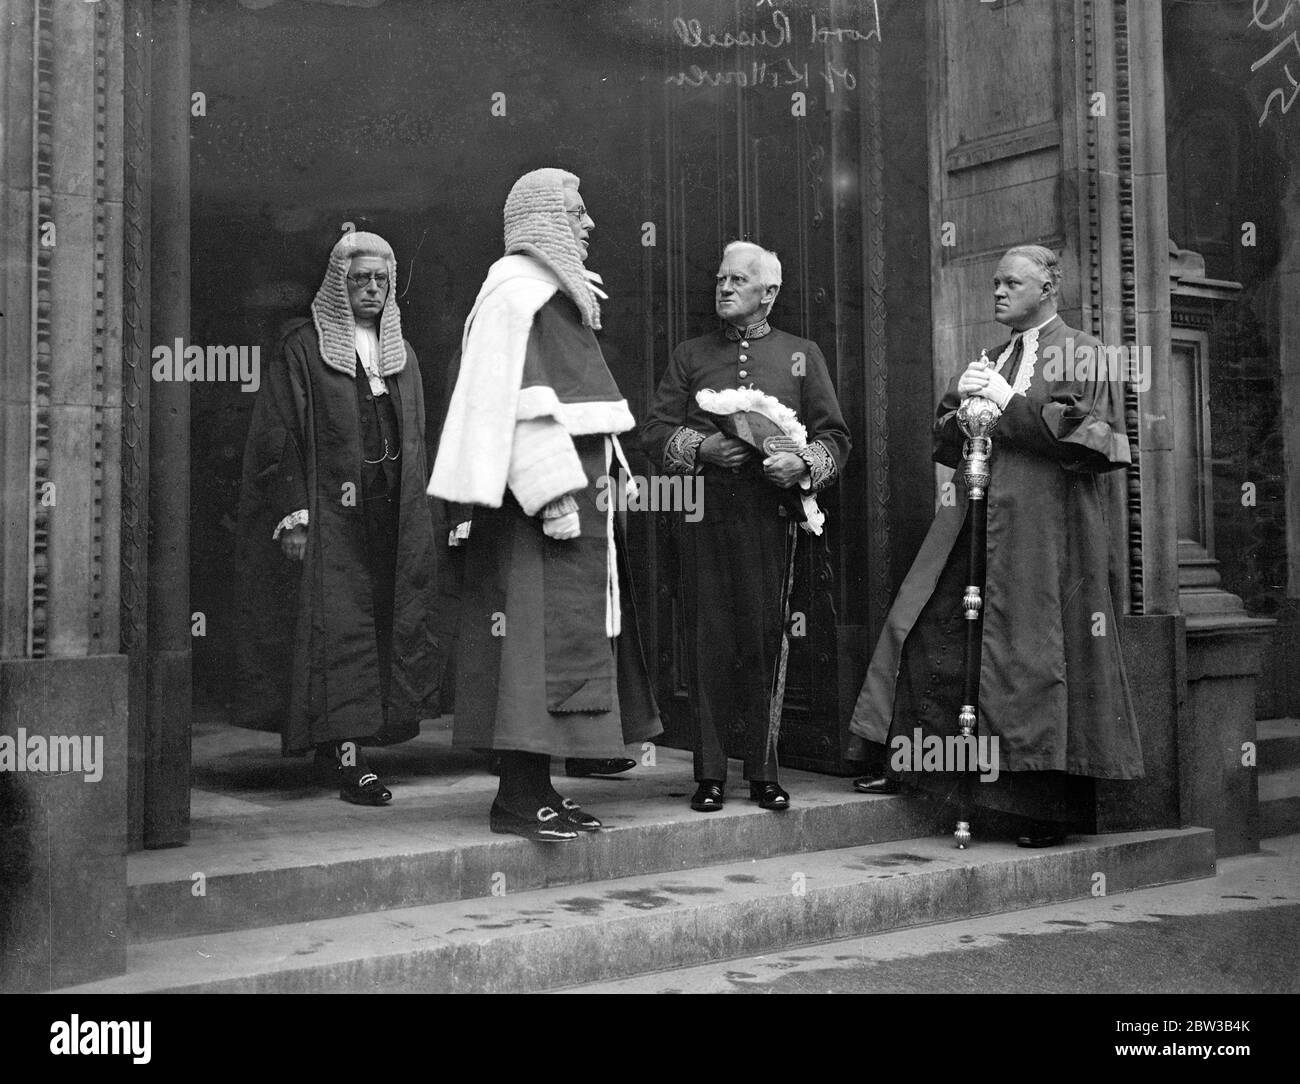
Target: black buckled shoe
[[876, 784], [580, 767], [361, 786], [708, 797], [1042, 834], [577, 817], [769, 795], [544, 826]]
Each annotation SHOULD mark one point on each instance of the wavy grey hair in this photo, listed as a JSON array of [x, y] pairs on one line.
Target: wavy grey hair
[[1047, 262], [537, 224]]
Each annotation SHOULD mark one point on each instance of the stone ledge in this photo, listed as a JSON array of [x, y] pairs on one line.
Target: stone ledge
[[555, 937]]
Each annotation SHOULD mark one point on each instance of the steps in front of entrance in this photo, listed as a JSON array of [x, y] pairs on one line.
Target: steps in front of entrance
[[541, 938], [269, 847], [284, 887], [1278, 742]]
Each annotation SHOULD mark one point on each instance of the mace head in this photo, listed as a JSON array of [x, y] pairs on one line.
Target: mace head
[[977, 416]]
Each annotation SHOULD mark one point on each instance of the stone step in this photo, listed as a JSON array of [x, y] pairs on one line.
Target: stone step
[[1278, 743], [269, 847], [1279, 803], [544, 938]]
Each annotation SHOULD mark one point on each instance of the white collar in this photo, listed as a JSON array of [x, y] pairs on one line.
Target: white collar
[[1033, 331], [1028, 356], [367, 339], [595, 282]]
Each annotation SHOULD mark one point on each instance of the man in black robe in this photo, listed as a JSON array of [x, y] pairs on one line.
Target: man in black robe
[[1053, 690], [339, 646], [735, 559]]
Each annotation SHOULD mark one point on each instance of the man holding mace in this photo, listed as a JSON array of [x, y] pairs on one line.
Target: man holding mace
[[1051, 679], [737, 559]]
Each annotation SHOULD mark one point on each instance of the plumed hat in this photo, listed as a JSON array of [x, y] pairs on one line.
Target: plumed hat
[[537, 224], [331, 310], [768, 426]]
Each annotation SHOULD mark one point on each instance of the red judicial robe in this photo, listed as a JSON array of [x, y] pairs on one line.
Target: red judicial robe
[[1053, 688], [536, 671]]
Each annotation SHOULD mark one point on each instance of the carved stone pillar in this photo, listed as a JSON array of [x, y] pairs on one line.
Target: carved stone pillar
[[1225, 645], [62, 681]]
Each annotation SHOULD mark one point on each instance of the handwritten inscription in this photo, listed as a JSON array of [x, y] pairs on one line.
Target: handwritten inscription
[[1260, 8], [775, 33], [693, 36], [760, 74], [691, 33], [1266, 17]]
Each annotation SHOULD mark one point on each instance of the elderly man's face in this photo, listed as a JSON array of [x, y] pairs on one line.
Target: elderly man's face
[[368, 286], [579, 221], [740, 296], [1019, 294]]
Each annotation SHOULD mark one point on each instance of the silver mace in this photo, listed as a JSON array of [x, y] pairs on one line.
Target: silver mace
[[977, 417]]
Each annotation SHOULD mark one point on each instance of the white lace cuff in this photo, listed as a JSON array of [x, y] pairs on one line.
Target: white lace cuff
[[295, 519], [561, 506]]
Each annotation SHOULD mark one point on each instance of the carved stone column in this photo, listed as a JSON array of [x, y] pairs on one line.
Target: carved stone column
[[62, 681], [1225, 645]]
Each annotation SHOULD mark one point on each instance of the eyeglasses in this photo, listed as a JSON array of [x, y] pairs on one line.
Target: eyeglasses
[[380, 279], [578, 212]]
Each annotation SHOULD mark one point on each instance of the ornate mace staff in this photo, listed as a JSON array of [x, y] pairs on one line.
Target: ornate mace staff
[[977, 417]]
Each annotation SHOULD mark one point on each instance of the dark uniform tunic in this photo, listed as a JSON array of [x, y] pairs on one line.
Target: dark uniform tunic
[[735, 557]]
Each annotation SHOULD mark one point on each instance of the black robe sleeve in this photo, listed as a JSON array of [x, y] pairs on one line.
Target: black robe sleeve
[[948, 437], [823, 419], [1081, 425], [276, 462]]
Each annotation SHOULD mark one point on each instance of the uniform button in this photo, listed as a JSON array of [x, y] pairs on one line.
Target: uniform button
[[744, 357], [743, 373], [744, 342], [369, 397]]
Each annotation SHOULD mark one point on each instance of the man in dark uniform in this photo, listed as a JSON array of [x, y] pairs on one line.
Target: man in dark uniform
[[1053, 690], [735, 558]]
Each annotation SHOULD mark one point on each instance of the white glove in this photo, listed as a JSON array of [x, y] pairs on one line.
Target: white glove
[[562, 527], [998, 390]]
